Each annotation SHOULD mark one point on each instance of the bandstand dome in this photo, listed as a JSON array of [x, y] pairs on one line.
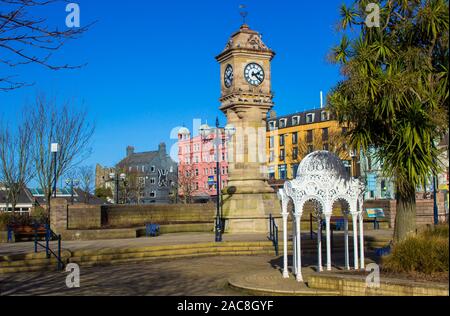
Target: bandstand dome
[[324, 164]]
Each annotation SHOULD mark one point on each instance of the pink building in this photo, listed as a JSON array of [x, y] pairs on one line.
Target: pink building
[[197, 165]]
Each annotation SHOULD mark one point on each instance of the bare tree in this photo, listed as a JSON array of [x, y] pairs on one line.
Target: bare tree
[[186, 183], [15, 159], [86, 177], [66, 126], [26, 38]]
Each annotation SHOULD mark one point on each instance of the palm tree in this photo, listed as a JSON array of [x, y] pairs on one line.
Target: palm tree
[[394, 95]]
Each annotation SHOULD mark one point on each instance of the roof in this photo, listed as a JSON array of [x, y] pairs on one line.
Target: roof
[[138, 158], [25, 197], [67, 194], [317, 118]]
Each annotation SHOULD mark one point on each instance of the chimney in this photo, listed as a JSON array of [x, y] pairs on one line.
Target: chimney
[[162, 149], [130, 151], [321, 99]]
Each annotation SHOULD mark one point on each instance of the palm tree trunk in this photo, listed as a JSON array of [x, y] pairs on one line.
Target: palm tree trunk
[[405, 218]]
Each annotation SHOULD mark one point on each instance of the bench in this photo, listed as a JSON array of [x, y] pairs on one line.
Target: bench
[[336, 223], [152, 230], [17, 231]]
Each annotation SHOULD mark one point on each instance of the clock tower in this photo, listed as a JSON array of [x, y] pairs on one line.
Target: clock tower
[[246, 99]]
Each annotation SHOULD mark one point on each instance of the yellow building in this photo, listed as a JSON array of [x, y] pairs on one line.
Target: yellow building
[[290, 138]]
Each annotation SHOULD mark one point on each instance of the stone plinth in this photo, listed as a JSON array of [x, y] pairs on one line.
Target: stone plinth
[[58, 216]]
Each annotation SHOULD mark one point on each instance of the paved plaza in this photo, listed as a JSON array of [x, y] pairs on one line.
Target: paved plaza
[[183, 277]]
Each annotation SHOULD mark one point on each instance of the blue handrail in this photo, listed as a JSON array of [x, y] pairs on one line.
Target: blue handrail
[[273, 233], [49, 235]]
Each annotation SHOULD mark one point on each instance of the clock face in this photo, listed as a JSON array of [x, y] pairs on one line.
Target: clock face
[[254, 74], [228, 76]]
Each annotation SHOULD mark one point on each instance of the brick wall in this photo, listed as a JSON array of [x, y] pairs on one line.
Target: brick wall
[[134, 216], [424, 209], [84, 216]]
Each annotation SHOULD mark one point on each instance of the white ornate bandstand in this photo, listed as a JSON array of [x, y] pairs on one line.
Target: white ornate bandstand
[[323, 180]]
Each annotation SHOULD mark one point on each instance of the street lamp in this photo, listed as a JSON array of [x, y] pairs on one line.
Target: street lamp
[[54, 148], [205, 132], [73, 183], [353, 155], [117, 178]]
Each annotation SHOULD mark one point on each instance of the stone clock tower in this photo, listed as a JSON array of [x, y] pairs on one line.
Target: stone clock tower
[[246, 99]]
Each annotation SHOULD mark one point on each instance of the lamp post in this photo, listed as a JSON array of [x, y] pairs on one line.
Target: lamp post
[[353, 155], [54, 148], [73, 183], [117, 178], [205, 132]]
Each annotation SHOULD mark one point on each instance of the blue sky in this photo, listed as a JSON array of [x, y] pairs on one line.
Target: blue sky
[[151, 64]]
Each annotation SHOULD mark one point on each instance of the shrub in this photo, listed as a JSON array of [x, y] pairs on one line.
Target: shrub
[[428, 253], [5, 219]]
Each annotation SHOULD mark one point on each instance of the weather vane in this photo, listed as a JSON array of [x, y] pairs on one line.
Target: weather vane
[[244, 14]]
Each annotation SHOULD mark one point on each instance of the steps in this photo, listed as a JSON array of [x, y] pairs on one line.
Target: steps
[[110, 256]]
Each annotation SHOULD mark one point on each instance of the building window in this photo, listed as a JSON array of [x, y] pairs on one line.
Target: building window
[[282, 172], [309, 136], [295, 138], [310, 149], [296, 120], [272, 156], [272, 125], [153, 168], [326, 147], [271, 142], [294, 170], [281, 140], [324, 116], [283, 123], [295, 153], [152, 181], [282, 154], [153, 194], [310, 118], [196, 173], [325, 134]]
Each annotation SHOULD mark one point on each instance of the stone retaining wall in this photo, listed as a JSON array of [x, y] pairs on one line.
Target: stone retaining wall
[[356, 286], [84, 216], [424, 209], [135, 215]]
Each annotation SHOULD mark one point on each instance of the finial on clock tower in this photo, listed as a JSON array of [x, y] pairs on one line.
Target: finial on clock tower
[[244, 14]]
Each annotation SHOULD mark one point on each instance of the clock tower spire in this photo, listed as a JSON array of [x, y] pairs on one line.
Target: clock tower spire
[[246, 98]]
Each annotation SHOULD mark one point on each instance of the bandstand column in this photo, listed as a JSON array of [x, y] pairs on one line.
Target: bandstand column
[[327, 220], [298, 247], [319, 244], [347, 254], [285, 245], [355, 239], [361, 239], [294, 245]]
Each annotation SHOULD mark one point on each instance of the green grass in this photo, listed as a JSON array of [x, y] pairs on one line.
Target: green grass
[[426, 253]]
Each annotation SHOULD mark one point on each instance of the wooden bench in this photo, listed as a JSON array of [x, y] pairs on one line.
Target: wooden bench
[[26, 231]]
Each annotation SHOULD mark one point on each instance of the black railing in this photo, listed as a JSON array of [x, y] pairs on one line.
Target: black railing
[[321, 226], [49, 236], [273, 233]]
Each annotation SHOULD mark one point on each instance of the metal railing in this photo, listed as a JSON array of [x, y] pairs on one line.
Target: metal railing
[[320, 226], [49, 236], [273, 233]]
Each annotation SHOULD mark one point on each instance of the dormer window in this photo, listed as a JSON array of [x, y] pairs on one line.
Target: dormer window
[[272, 125], [296, 120], [310, 118], [324, 116], [283, 123]]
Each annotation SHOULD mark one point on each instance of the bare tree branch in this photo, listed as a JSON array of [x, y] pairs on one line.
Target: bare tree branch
[[27, 39]]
